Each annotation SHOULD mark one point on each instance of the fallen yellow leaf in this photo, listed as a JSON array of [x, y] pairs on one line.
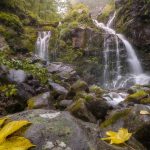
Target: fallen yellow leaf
[[10, 128], [2, 120], [144, 112], [118, 137], [16, 143]]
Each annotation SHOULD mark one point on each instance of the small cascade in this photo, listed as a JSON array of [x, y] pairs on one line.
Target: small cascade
[[42, 44], [115, 74]]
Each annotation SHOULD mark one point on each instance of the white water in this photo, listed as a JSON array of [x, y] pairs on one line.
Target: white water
[[114, 98], [135, 76], [134, 63], [42, 44]]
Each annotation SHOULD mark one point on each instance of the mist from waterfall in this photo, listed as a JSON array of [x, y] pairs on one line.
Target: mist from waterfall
[[42, 44], [113, 75]]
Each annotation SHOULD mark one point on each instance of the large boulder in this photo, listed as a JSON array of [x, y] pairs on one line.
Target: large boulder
[[51, 130]]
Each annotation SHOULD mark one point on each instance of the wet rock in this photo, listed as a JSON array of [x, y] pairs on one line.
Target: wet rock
[[58, 130], [40, 101]]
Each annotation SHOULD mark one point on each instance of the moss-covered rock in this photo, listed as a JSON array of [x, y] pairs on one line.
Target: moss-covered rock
[[97, 90], [79, 86], [137, 97], [58, 130], [114, 118], [40, 101], [79, 110], [87, 96]]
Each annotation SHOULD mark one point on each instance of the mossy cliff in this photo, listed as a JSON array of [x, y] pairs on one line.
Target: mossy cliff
[[77, 41], [133, 17]]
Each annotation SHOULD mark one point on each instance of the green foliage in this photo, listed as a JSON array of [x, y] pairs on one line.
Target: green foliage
[[79, 14], [10, 20], [37, 71], [70, 55], [8, 90], [110, 7]]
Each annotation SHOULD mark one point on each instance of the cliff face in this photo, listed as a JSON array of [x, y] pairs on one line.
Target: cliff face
[[133, 20]]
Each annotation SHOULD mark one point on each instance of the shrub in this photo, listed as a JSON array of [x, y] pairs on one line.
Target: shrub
[[10, 20]]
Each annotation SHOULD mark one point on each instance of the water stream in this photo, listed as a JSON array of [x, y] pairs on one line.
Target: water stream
[[42, 44]]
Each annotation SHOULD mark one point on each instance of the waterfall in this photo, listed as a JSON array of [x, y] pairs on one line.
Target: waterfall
[[134, 63], [42, 44], [113, 76]]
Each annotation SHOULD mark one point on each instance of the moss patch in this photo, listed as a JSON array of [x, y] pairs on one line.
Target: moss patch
[[30, 104], [118, 115], [79, 104], [137, 97]]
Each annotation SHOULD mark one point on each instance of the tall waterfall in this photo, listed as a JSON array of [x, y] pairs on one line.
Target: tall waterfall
[[113, 74], [42, 44]]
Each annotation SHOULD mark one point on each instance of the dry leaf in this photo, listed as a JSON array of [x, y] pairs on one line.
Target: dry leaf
[[144, 112], [118, 137], [10, 128], [16, 143]]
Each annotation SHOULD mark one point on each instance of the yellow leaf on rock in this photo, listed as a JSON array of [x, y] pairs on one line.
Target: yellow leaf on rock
[[16, 143], [2, 120], [144, 112], [10, 128], [118, 137]]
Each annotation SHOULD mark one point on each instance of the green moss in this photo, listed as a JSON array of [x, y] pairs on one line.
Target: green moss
[[81, 94], [77, 105], [30, 104], [137, 96], [145, 101], [79, 86], [97, 90], [115, 117]]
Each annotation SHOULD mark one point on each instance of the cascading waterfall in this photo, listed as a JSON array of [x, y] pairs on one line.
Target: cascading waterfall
[[42, 44], [113, 74]]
